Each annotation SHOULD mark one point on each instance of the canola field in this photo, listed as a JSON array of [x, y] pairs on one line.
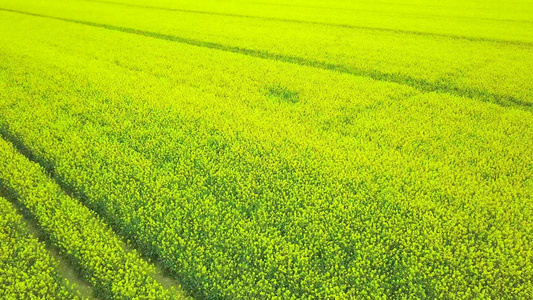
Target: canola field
[[242, 149]]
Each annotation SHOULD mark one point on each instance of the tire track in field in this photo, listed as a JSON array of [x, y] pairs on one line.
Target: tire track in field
[[379, 29], [65, 268], [417, 83], [399, 13], [71, 267], [380, 11]]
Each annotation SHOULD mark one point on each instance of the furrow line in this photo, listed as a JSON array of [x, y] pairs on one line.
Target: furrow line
[[377, 11], [66, 268], [156, 281], [417, 83], [285, 20]]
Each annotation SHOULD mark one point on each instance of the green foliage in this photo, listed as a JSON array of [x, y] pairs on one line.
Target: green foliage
[[27, 271], [78, 233], [367, 187], [481, 49]]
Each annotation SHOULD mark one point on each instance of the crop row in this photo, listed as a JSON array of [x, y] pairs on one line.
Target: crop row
[[491, 21], [470, 19], [27, 271], [290, 182], [77, 232], [472, 68]]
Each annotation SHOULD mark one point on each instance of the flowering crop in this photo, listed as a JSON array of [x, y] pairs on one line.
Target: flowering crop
[[27, 271], [472, 56], [77, 232], [277, 172]]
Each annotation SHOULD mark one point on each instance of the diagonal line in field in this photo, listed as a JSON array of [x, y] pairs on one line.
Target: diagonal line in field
[[65, 267], [377, 11], [380, 29], [417, 83], [162, 276]]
